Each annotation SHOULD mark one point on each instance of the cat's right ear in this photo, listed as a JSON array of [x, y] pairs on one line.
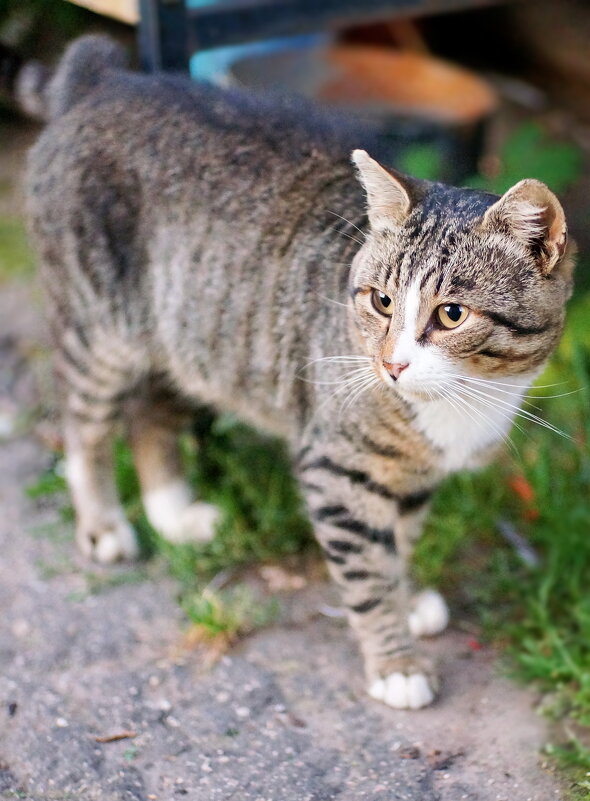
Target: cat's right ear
[[389, 194], [531, 213]]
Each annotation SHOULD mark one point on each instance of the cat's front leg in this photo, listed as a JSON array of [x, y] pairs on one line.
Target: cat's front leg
[[355, 521], [428, 613]]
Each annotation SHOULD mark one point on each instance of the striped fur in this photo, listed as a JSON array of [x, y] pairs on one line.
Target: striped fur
[[198, 246]]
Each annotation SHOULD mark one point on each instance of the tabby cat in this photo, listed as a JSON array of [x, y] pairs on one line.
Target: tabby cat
[[198, 246]]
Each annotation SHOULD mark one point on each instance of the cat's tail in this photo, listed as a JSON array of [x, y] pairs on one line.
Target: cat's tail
[[46, 94]]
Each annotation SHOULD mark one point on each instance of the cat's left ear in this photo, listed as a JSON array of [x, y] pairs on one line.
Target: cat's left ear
[[390, 195], [532, 214]]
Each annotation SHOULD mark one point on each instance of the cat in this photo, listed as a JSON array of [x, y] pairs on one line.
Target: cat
[[202, 246]]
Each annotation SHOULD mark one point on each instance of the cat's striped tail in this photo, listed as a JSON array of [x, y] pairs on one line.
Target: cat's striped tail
[[46, 94]]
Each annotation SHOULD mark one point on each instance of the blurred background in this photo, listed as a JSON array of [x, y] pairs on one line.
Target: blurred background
[[471, 92]]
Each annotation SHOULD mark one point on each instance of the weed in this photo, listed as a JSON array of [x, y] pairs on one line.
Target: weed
[[528, 152], [232, 614], [16, 257]]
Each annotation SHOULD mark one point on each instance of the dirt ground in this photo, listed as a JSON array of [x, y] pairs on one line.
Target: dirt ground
[[283, 717]]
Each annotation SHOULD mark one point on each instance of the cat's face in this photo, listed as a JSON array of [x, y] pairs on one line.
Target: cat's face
[[454, 285]]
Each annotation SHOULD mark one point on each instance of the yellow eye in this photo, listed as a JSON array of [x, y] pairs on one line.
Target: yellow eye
[[382, 303], [451, 315]]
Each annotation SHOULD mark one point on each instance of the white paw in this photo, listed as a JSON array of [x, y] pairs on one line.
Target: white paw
[[108, 543], [430, 615], [403, 692], [171, 511], [195, 524]]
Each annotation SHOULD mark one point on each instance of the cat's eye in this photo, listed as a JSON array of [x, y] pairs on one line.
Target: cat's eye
[[382, 302], [451, 315]]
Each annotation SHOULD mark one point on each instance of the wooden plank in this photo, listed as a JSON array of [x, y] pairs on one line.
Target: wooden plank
[[123, 10]]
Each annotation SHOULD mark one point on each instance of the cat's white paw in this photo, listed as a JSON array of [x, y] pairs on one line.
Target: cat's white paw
[[171, 511], [430, 614], [196, 523], [108, 542], [403, 692]]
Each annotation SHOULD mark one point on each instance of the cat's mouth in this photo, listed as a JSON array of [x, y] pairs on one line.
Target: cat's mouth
[[405, 383], [409, 390]]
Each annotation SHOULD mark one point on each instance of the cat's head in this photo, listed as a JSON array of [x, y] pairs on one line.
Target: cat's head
[[455, 282]]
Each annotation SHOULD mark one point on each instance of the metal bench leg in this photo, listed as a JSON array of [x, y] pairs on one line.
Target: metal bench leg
[[163, 35]]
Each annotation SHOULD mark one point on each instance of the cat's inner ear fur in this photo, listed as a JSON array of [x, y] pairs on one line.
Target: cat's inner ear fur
[[532, 214], [389, 194]]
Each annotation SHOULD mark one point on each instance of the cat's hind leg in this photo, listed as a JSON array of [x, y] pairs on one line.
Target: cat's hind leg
[[95, 379], [155, 423]]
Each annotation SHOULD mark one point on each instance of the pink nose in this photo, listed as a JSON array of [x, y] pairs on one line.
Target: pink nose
[[395, 369]]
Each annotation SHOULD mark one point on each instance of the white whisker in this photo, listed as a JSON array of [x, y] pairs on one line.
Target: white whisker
[[330, 300], [347, 235], [526, 395], [351, 385], [361, 232], [462, 379], [490, 381], [362, 370], [488, 403], [356, 393], [470, 409], [515, 409], [465, 405], [349, 358]]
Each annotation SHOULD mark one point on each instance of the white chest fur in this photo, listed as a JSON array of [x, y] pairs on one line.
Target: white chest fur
[[459, 430]]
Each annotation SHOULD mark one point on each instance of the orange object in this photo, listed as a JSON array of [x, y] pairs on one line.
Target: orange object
[[521, 487], [415, 83]]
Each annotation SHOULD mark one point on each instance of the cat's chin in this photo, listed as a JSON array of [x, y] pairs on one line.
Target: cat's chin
[[414, 394]]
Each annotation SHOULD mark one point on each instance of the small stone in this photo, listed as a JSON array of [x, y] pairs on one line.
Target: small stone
[[21, 628], [409, 752]]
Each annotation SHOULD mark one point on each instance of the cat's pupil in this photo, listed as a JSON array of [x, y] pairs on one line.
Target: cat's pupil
[[454, 311], [385, 301]]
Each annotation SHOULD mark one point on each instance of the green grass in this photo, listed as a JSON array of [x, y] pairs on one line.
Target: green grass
[[529, 152], [247, 475], [16, 257]]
